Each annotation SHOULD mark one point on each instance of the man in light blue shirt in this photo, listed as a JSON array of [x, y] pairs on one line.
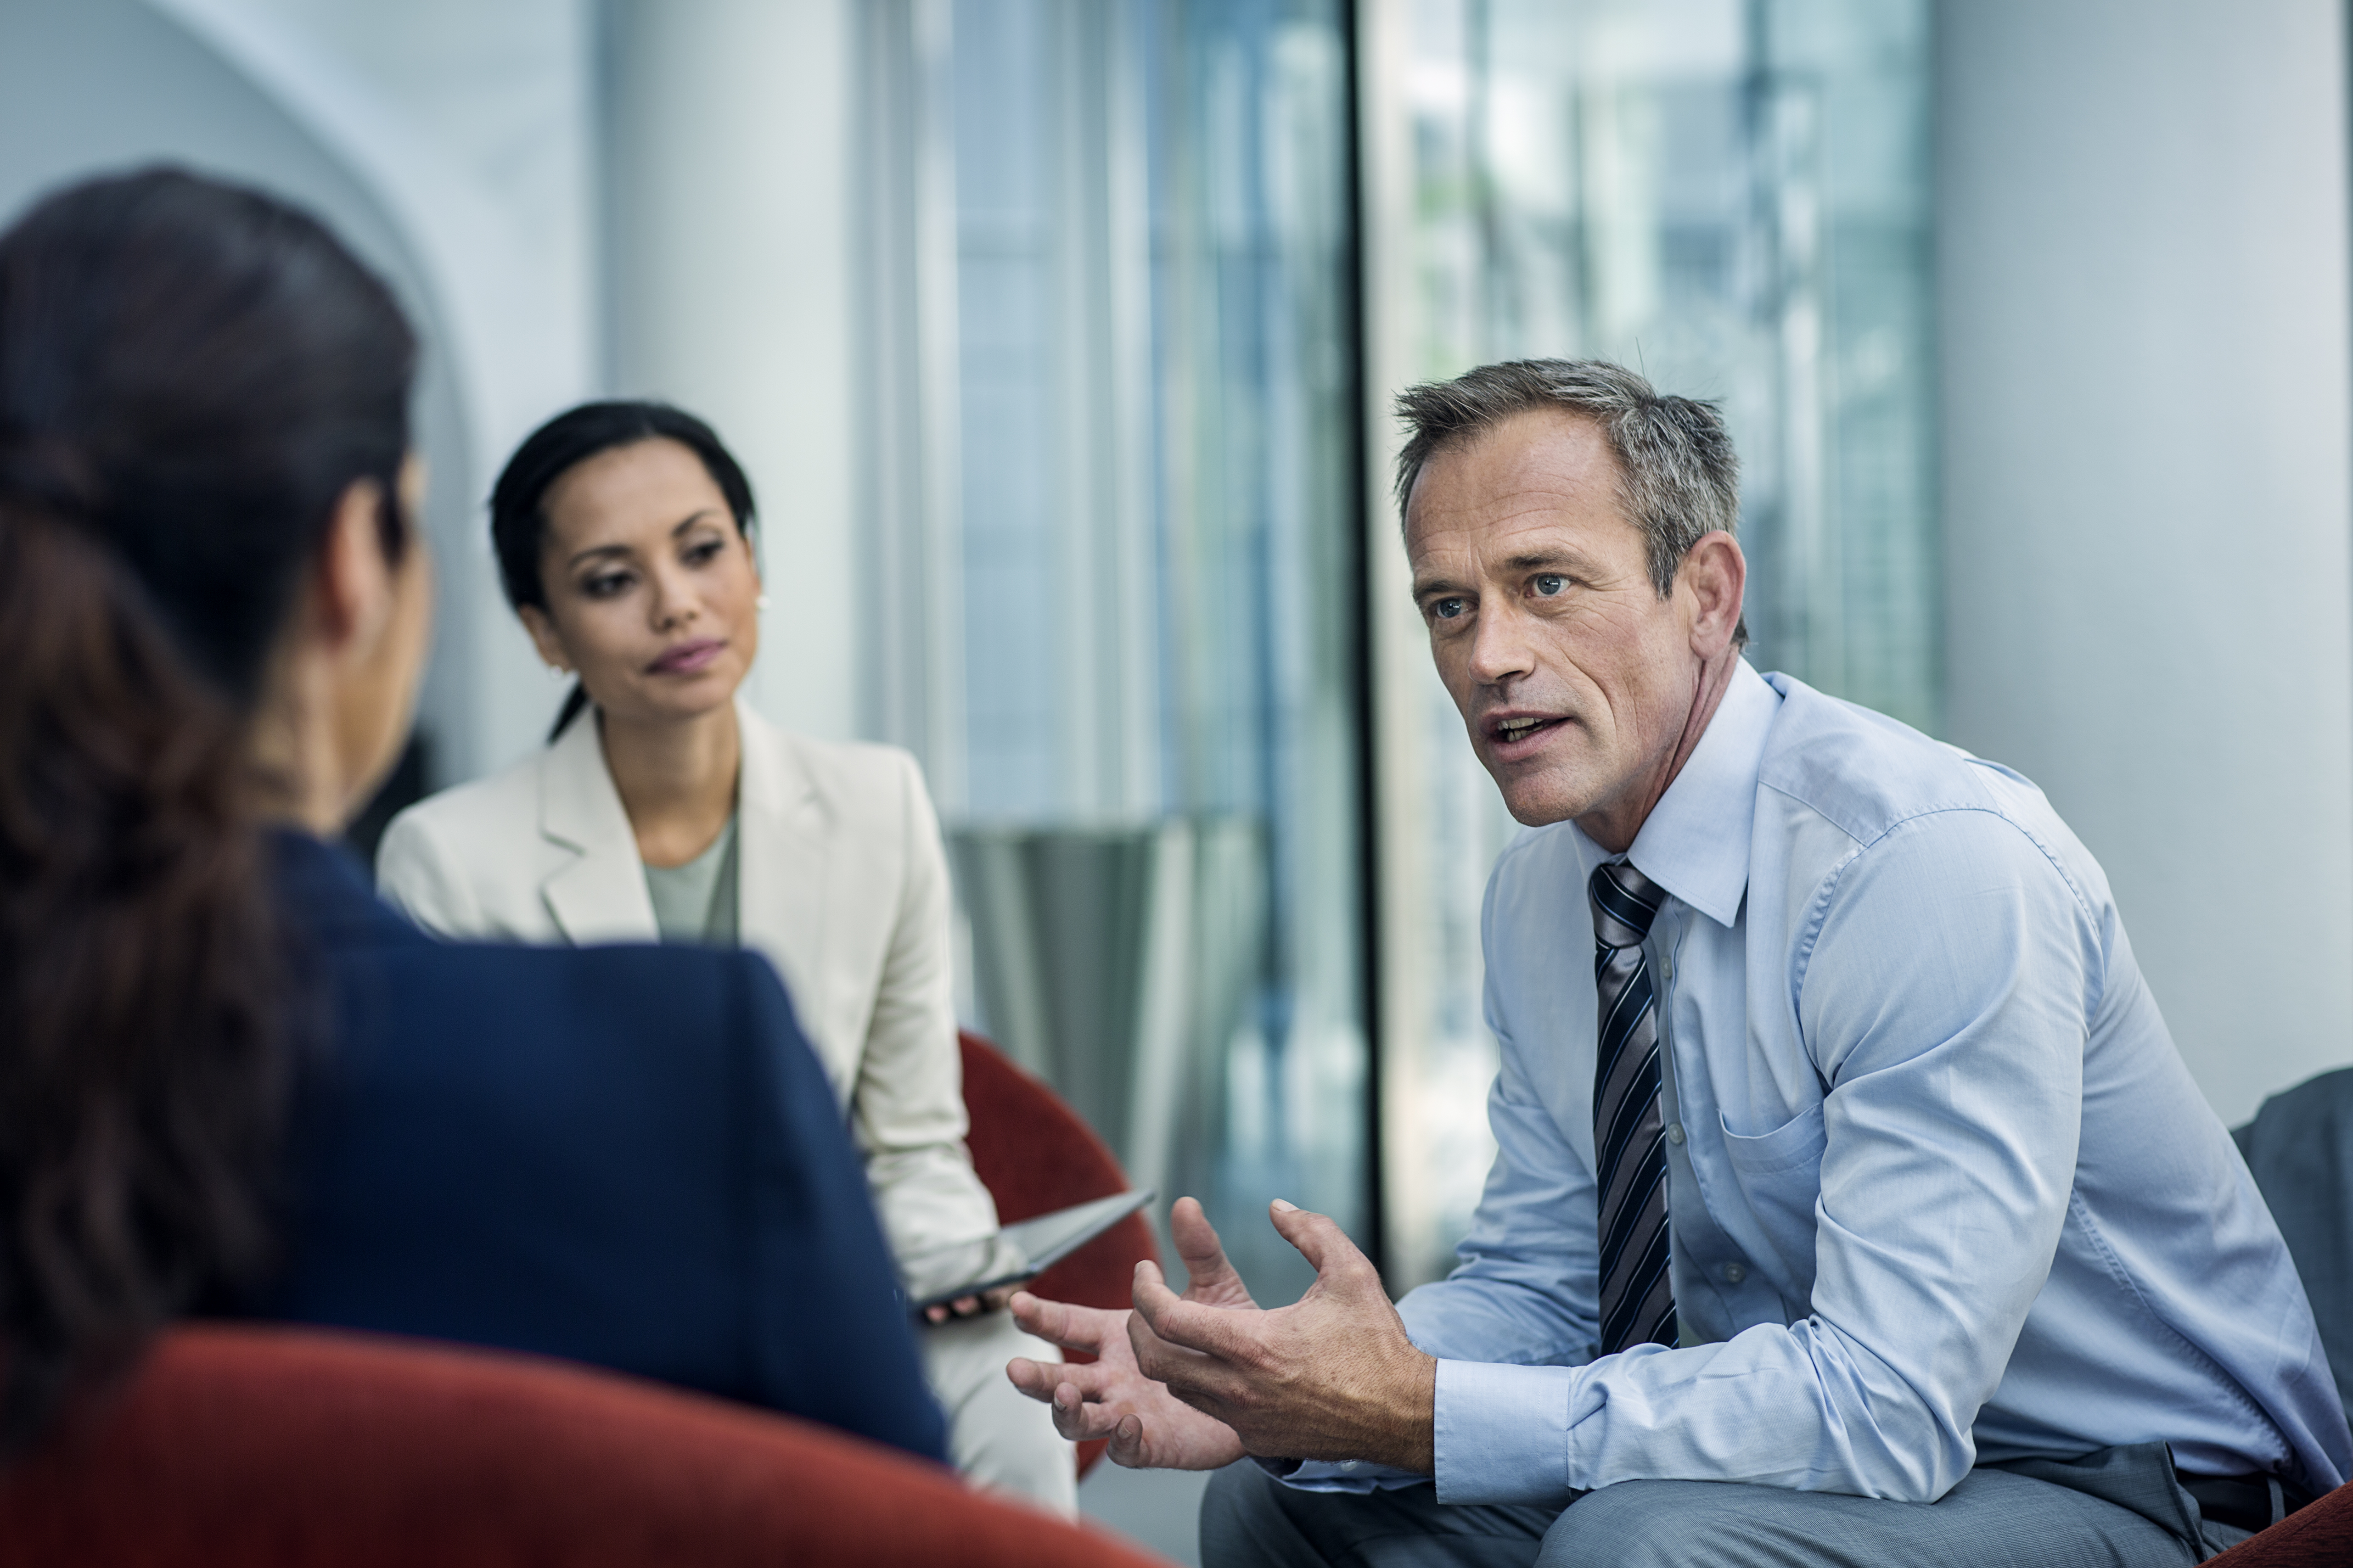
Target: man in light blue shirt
[[1855, 1168]]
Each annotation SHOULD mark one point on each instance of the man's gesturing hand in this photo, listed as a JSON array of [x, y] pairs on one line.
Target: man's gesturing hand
[[1148, 1427], [1331, 1377]]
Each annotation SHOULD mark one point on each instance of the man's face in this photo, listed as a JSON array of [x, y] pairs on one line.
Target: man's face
[[1574, 676]]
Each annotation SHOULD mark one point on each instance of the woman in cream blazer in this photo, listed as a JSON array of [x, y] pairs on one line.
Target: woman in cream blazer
[[836, 861], [840, 883]]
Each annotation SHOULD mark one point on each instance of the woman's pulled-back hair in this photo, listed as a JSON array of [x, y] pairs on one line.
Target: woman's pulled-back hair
[[191, 376], [519, 500]]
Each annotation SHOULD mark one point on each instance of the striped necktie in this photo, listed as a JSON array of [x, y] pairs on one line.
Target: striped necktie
[[1629, 1151]]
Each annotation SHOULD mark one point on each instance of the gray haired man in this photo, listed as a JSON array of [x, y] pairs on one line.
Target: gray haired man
[[1852, 1202]]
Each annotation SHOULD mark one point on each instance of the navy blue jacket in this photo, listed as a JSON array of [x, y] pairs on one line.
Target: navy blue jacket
[[626, 1156]]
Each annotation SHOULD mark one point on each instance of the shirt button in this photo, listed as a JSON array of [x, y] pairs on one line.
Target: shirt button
[[1675, 1133], [1733, 1273], [1347, 1464]]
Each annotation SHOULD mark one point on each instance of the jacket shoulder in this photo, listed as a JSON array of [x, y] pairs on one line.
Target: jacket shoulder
[[483, 813], [849, 766], [858, 781], [609, 994], [469, 861]]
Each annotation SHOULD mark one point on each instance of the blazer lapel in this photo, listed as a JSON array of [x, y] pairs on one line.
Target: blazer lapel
[[782, 827], [601, 895]]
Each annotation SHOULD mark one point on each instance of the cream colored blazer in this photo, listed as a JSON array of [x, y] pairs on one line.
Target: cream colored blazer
[[843, 885]]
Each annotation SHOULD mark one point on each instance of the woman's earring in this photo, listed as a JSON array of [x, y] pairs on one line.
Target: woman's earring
[[761, 602]]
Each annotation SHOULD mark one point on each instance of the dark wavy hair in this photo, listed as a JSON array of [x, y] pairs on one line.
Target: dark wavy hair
[[191, 376], [518, 502]]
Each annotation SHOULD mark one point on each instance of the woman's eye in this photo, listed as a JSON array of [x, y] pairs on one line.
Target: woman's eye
[[1447, 609], [700, 554], [605, 584], [1548, 583]]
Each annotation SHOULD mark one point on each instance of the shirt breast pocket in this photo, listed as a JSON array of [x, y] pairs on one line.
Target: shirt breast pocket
[[1780, 1175]]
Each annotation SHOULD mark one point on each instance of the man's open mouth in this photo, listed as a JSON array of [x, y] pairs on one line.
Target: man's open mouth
[[1510, 729]]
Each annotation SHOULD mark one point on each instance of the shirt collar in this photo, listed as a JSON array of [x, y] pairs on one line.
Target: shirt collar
[[1694, 844]]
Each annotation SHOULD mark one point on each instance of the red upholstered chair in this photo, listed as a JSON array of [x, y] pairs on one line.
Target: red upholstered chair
[[269, 1447], [1035, 1155], [2319, 1533]]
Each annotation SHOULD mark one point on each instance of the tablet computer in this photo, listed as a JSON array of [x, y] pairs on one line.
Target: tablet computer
[[1016, 1252]]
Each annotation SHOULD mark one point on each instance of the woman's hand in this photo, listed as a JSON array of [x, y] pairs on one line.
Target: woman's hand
[[970, 1306]]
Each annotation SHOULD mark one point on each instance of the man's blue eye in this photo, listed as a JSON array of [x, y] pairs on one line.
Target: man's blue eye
[[1550, 582], [1446, 609]]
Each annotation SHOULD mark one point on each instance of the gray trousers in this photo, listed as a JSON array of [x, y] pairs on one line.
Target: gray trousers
[[2119, 1506]]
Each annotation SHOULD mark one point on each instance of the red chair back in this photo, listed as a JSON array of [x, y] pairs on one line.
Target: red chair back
[[1035, 1155], [269, 1447], [2320, 1533]]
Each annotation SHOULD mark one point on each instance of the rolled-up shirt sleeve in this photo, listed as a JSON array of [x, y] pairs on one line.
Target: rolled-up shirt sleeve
[[1942, 990]]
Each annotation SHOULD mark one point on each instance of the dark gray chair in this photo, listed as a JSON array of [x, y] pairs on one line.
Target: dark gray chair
[[2300, 1147]]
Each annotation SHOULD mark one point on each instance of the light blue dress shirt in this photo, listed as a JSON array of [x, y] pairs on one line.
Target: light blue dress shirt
[[1941, 1189]]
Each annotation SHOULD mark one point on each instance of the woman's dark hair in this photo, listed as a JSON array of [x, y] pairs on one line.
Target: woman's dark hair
[[190, 377], [518, 502]]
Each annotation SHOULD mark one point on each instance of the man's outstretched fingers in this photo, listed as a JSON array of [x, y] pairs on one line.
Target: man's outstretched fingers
[[1039, 1379], [1059, 1322], [1211, 1384], [1078, 1419], [1197, 1239], [1078, 1422], [1189, 1324], [1319, 1240], [1213, 1278], [1036, 1379]]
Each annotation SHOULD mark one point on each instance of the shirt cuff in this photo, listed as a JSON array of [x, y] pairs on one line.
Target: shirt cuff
[[1341, 1475], [1501, 1433]]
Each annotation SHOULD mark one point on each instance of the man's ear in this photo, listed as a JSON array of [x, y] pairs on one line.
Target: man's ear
[[352, 584], [1716, 574]]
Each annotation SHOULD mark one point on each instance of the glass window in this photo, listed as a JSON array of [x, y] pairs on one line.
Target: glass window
[[1113, 275], [1731, 196]]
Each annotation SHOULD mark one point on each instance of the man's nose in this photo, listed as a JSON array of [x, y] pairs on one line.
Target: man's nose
[[1500, 649]]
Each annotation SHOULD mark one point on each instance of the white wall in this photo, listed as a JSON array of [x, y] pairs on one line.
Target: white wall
[[450, 151], [91, 85], [730, 293], [474, 126], [458, 148], [2144, 287]]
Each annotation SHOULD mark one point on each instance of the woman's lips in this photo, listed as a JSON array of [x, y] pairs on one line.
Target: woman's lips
[[686, 658]]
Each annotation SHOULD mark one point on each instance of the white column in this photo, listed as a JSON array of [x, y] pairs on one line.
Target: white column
[[2142, 261], [731, 229]]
